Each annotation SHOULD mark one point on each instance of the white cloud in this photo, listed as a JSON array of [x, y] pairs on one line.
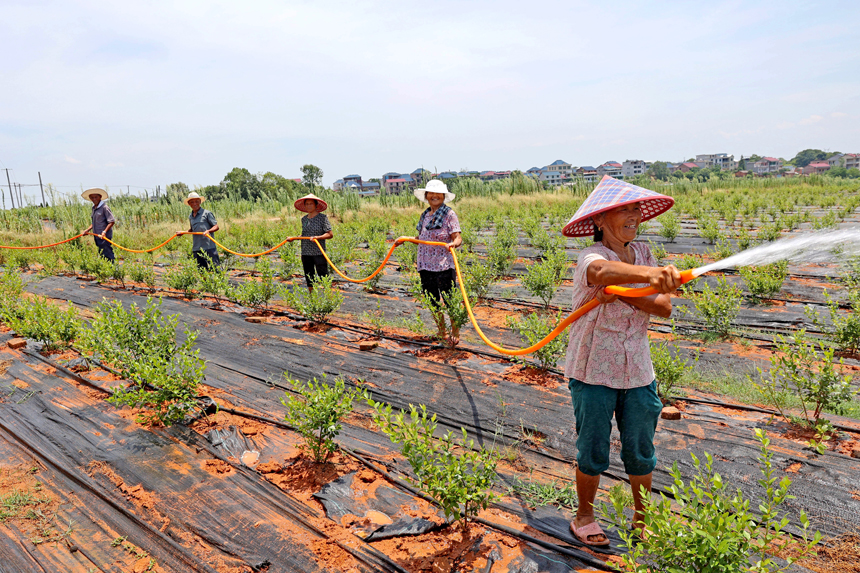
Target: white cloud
[[72, 160], [810, 120]]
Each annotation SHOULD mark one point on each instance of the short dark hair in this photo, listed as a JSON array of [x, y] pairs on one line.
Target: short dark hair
[[598, 234]]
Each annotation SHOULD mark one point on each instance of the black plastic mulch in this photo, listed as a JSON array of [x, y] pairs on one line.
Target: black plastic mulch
[[240, 518], [243, 357]]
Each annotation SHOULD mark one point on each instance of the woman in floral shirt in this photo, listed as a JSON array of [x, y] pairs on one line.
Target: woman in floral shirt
[[608, 361], [436, 263]]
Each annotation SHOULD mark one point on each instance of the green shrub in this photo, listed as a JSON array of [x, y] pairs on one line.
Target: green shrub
[[291, 262], [851, 272], [36, 318], [102, 269], [11, 287], [407, 255], [21, 259], [315, 305], [743, 239], [253, 292], [214, 281], [802, 371], [141, 344], [141, 272], [376, 254], [826, 221], [502, 251], [769, 232], [690, 261], [478, 276], [709, 228], [450, 470], [183, 276], [719, 307], [670, 226], [455, 308], [705, 527], [669, 369], [342, 249], [544, 277], [658, 251], [722, 250], [534, 327], [51, 262], [317, 415], [843, 329], [765, 281]]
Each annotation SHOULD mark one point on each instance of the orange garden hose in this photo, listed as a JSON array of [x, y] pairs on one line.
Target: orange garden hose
[[686, 276], [44, 246]]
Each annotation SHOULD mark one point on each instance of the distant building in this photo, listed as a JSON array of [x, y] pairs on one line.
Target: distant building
[[765, 165], [586, 172], [447, 175], [389, 175], [633, 168], [370, 187], [503, 174], [836, 160], [535, 171], [816, 167], [554, 177], [611, 168], [420, 177], [851, 161], [559, 166], [338, 185], [724, 161], [354, 177], [395, 185], [687, 166]]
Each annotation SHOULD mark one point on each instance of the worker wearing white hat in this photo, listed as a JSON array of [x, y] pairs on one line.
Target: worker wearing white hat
[[436, 263], [102, 221], [201, 221]]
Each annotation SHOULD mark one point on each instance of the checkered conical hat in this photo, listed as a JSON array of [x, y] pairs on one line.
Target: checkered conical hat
[[611, 193]]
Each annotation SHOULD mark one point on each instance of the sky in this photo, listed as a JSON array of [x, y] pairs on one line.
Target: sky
[[138, 94]]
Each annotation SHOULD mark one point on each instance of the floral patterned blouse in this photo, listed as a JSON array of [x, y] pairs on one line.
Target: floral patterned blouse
[[431, 257], [609, 346]]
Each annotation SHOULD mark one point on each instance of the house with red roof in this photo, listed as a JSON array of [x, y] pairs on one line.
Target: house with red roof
[[395, 185], [766, 165], [687, 166], [816, 167], [611, 168]]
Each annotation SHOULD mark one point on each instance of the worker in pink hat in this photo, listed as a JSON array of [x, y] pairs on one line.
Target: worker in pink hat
[[315, 225], [608, 362]]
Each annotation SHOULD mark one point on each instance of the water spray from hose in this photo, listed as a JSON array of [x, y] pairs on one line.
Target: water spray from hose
[[816, 247]]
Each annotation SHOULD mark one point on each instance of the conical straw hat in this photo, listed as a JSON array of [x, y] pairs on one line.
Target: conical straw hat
[[611, 193], [300, 203]]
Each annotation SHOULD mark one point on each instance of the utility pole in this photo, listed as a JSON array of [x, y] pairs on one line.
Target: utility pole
[[42, 189], [20, 200], [11, 193]]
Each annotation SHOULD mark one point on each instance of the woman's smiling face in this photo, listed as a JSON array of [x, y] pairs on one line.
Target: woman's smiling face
[[435, 199], [620, 223]]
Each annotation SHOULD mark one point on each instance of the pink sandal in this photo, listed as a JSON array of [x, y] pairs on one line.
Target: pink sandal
[[592, 529]]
